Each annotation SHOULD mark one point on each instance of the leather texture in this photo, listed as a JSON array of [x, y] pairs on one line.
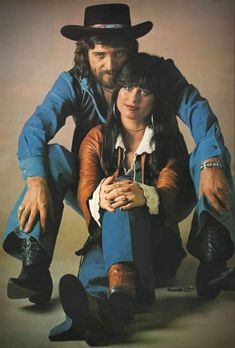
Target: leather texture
[[173, 204], [34, 281], [121, 279]]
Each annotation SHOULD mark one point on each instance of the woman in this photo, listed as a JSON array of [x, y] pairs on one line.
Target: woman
[[132, 171]]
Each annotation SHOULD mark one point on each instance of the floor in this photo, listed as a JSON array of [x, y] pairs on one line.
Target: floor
[[179, 319]]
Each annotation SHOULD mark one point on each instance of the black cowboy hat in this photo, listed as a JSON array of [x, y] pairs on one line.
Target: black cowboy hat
[[106, 19]]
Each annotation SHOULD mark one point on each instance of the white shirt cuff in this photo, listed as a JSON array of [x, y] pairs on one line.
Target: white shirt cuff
[[94, 204], [152, 198]]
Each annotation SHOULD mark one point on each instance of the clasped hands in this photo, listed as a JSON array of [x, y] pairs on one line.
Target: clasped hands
[[123, 194]]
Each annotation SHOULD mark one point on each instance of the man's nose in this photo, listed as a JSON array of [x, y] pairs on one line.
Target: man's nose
[[110, 63]]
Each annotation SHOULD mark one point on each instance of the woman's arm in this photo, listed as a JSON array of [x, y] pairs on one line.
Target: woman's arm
[[90, 170]]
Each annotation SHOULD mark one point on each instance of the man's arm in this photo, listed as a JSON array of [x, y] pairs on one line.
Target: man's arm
[[42, 126], [195, 112]]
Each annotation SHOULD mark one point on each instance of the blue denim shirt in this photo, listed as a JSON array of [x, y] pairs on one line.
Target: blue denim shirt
[[74, 96]]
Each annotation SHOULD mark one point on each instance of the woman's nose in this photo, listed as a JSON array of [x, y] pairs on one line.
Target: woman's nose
[[135, 95]]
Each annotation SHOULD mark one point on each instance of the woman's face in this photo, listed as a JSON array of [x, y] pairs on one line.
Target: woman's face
[[134, 103]]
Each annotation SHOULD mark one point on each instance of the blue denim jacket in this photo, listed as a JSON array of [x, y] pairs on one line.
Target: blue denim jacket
[[71, 95]]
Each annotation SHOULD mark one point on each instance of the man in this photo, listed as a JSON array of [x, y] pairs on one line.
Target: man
[[50, 171]]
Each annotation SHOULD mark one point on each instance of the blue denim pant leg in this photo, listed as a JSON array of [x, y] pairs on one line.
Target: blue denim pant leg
[[93, 274], [203, 205], [93, 277], [62, 178], [126, 237], [95, 264]]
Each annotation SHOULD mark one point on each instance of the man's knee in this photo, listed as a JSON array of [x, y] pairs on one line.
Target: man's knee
[[62, 163]]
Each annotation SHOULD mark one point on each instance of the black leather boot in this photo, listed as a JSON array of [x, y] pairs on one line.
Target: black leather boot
[[213, 248], [121, 293], [91, 316], [34, 281]]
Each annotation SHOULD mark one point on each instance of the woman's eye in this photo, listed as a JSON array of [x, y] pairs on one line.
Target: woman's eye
[[144, 92], [128, 88]]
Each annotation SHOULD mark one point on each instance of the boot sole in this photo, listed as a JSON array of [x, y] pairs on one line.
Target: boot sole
[[226, 281], [74, 300], [15, 291]]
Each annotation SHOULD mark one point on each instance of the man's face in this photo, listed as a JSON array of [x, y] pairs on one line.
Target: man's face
[[106, 62]]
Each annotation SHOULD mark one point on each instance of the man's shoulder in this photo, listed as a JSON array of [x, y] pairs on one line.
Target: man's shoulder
[[72, 83], [163, 63], [69, 77]]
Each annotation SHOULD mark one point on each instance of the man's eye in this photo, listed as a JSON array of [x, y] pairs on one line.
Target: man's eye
[[99, 55], [120, 54]]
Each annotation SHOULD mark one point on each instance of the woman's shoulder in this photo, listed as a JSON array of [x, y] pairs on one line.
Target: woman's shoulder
[[93, 137], [96, 132]]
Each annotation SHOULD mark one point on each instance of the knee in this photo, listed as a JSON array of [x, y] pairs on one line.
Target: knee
[[62, 162]]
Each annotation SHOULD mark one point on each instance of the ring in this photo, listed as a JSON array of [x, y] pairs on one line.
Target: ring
[[125, 199], [115, 184], [20, 208]]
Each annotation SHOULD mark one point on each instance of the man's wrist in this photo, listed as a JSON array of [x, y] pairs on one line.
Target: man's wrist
[[36, 179], [211, 163]]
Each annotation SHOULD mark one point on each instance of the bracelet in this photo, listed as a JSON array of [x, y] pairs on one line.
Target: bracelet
[[211, 165]]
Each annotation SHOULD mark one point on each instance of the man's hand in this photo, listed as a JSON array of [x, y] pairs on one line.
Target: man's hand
[[214, 185], [37, 202]]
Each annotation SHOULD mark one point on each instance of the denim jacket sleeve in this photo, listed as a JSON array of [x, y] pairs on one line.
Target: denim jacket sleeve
[[195, 112], [42, 126]]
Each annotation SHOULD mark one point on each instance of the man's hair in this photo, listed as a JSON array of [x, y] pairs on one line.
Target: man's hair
[[81, 63]]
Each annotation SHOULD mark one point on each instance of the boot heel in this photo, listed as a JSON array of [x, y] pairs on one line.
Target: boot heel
[[204, 290], [41, 298], [16, 291]]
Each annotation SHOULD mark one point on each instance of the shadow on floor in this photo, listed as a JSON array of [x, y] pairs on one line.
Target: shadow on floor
[[165, 310], [54, 304]]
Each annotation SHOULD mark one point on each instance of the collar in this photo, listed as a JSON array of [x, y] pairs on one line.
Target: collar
[[145, 146]]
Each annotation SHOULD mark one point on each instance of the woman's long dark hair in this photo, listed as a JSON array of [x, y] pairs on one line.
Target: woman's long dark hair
[[141, 70]]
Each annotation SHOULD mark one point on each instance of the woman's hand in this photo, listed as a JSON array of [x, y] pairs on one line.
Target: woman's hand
[[106, 186], [37, 203], [124, 194]]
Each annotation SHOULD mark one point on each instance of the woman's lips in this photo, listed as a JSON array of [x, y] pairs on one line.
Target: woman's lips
[[131, 107]]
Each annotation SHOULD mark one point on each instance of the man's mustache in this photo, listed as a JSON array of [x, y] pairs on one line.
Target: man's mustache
[[109, 72]]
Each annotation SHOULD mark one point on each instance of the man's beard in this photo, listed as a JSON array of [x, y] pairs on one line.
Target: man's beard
[[111, 81]]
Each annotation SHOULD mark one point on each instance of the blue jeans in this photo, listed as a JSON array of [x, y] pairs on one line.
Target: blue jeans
[[63, 176]]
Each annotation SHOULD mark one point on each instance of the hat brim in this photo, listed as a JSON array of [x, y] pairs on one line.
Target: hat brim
[[76, 32]]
